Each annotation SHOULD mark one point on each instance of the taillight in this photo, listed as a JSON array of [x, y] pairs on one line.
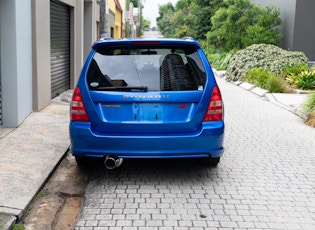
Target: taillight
[[78, 111], [215, 107]]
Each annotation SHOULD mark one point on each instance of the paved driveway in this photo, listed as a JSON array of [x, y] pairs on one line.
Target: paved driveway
[[265, 180]]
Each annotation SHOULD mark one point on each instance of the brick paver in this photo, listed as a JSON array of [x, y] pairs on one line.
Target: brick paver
[[265, 180]]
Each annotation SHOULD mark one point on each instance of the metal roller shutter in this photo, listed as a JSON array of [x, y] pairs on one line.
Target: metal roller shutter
[[60, 47], [0, 103], [0, 91]]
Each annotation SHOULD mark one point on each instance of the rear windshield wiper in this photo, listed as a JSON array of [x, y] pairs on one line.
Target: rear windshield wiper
[[123, 88]]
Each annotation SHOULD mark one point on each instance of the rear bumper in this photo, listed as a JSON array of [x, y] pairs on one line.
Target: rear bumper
[[206, 142]]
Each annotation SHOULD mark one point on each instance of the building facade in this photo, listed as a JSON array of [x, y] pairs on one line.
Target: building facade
[[118, 31], [298, 27], [115, 16], [43, 46]]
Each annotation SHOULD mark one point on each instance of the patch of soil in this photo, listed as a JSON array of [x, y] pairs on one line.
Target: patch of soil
[[59, 203]]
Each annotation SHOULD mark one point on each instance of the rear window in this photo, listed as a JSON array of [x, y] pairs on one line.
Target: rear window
[[146, 68]]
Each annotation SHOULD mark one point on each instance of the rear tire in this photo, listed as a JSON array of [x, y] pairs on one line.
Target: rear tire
[[83, 162], [212, 162]]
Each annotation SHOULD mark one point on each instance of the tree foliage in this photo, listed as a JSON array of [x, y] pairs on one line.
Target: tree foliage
[[239, 23], [178, 20], [202, 11], [182, 18], [165, 20], [145, 23], [134, 2], [187, 18], [225, 24]]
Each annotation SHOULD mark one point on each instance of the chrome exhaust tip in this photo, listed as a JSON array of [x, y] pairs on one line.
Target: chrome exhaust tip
[[112, 162]]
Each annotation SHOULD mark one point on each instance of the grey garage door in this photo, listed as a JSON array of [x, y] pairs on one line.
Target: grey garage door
[[0, 91], [60, 47], [0, 101]]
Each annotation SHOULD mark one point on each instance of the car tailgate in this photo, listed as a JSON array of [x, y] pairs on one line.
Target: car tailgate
[[146, 112]]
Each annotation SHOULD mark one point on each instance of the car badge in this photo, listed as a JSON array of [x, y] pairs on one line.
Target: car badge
[[94, 84]]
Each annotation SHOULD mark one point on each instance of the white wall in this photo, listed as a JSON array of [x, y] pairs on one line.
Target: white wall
[[41, 54], [16, 61], [89, 27]]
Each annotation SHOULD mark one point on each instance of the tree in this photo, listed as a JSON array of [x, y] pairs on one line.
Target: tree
[[202, 11], [240, 23], [183, 18], [175, 21], [165, 21], [188, 18], [145, 23], [266, 30], [134, 2]]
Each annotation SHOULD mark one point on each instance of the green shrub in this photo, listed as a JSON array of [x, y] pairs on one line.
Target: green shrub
[[276, 84], [266, 80], [258, 77], [309, 109], [305, 79], [237, 24], [219, 61], [294, 69], [268, 57], [256, 34], [218, 58], [18, 227]]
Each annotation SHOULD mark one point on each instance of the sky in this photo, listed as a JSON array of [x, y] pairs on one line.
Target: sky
[[151, 9]]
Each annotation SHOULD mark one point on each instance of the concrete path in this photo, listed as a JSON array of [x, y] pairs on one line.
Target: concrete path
[[28, 155]]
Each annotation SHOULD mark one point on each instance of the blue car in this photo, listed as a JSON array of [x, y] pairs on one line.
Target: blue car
[[146, 98]]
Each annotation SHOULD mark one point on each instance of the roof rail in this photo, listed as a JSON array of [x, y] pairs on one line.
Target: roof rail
[[188, 38], [106, 38]]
